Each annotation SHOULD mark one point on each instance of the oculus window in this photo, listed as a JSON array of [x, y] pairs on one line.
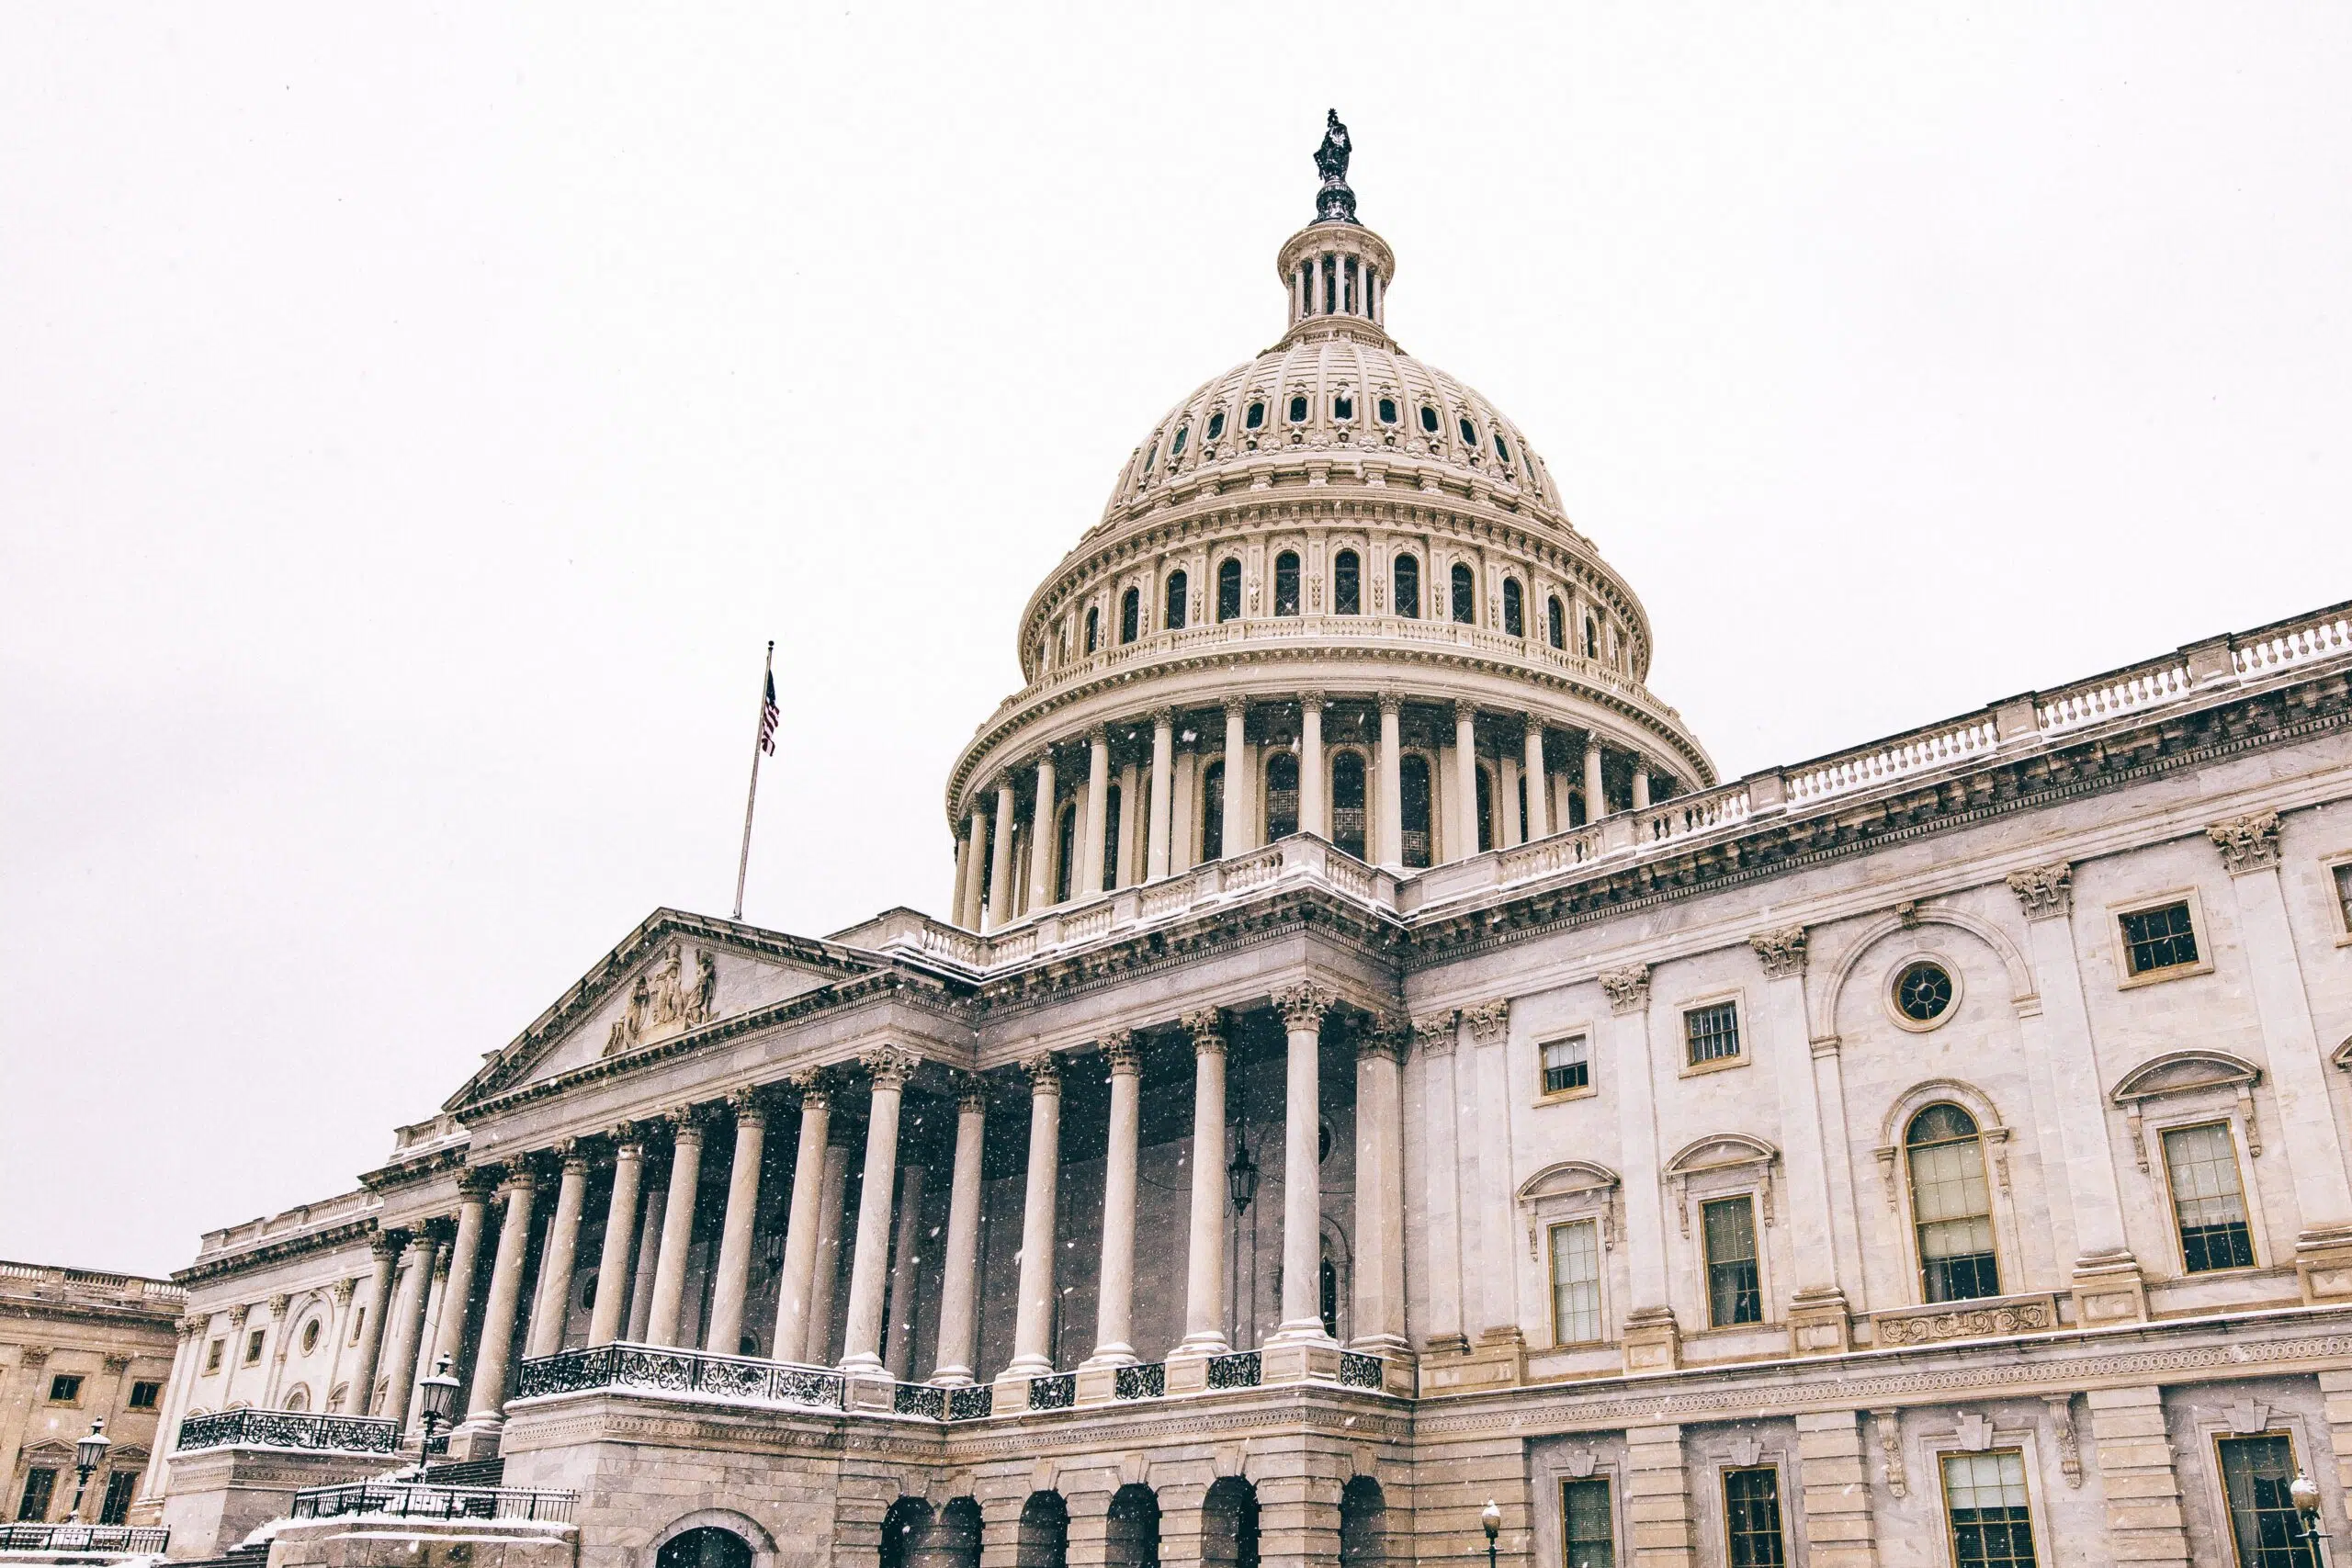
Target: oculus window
[[1923, 992]]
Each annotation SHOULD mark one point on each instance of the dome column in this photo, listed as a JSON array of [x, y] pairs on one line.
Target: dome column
[[1312, 817], [1466, 782], [1236, 779], [1595, 788], [1641, 783], [1000, 909], [975, 848], [1539, 784], [1043, 831], [1389, 839], [1163, 789], [1089, 880]]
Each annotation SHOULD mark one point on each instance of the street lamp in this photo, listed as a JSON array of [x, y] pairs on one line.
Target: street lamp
[[2303, 1491], [88, 1454], [1493, 1519], [1242, 1175], [440, 1397]]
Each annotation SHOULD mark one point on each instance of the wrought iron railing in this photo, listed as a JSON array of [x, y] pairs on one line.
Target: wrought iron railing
[[1055, 1391], [1240, 1370], [963, 1402], [410, 1500], [141, 1540], [921, 1399], [973, 1401], [1149, 1381], [1359, 1371], [681, 1372], [290, 1429]]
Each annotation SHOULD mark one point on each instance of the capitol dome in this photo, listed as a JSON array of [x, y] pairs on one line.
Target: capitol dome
[[1333, 592]]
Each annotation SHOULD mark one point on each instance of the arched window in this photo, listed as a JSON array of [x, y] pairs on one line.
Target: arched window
[[1514, 608], [1229, 1524], [1469, 433], [1328, 1295], [1347, 584], [1065, 850], [1407, 572], [1592, 638], [1111, 804], [1486, 810], [1286, 583], [1133, 1538], [1043, 1539], [1254, 416], [904, 1531], [1178, 591], [707, 1547], [1413, 808], [1130, 616], [1213, 812], [1282, 796], [1465, 594], [1556, 623], [1363, 1524], [1951, 1208], [1348, 818], [1217, 425], [1093, 628], [1229, 588], [1428, 419], [298, 1400]]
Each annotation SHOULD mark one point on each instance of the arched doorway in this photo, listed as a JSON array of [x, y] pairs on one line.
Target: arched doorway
[[1229, 1525], [708, 1547], [1134, 1536], [952, 1539], [1044, 1538], [1363, 1523], [903, 1528]]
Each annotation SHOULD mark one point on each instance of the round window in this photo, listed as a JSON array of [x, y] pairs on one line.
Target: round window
[[1923, 992], [310, 1337]]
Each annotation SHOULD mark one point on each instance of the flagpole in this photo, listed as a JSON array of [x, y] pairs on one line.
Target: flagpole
[[759, 731]]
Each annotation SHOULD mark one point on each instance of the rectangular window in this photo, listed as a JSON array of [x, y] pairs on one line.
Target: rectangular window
[[2255, 1474], [32, 1505], [1586, 1528], [253, 1340], [1576, 1283], [359, 1312], [1713, 1033], [116, 1510], [2158, 938], [1985, 1509], [145, 1396], [1567, 1065], [2207, 1201], [64, 1388], [1734, 1293], [212, 1356], [2343, 896], [1752, 1517]]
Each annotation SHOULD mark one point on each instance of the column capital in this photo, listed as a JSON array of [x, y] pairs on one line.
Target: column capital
[[188, 1327], [1206, 1026], [1389, 703], [1303, 1005], [628, 1139], [343, 1289], [1042, 759], [477, 1182], [388, 1244], [1044, 1070], [2247, 844], [814, 1088], [1628, 988], [1124, 1049], [1434, 1033], [1782, 952], [888, 1068], [572, 1154], [750, 1105], [1098, 735], [1464, 712], [1314, 699], [441, 1257], [2044, 891], [1163, 718], [1383, 1034], [236, 1316], [521, 1177], [1237, 706], [1488, 1021], [278, 1305], [687, 1122], [971, 1094], [438, 1231]]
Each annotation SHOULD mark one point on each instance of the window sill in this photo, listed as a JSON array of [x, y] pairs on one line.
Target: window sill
[[1560, 1097], [2158, 976], [1721, 1063]]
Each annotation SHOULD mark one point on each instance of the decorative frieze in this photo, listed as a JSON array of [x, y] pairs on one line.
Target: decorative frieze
[[1782, 952], [1628, 988], [2044, 892], [2247, 844], [1965, 1320]]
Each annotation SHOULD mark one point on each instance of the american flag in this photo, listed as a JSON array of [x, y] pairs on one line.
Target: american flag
[[769, 714]]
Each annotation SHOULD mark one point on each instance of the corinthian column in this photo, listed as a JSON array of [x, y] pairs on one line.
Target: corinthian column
[[1205, 1249], [1380, 1190], [1652, 1339], [1596, 789], [1089, 880], [604, 1323], [1466, 782], [1115, 1302], [1043, 831], [488, 1405], [999, 910], [677, 1227], [1539, 784], [870, 1264], [1817, 1321], [726, 1336], [1302, 1008], [474, 1190], [1312, 817], [1163, 789], [399, 1359], [1236, 778], [953, 1361], [1388, 841], [557, 1254], [1032, 1329], [384, 1254], [796, 1286], [975, 870]]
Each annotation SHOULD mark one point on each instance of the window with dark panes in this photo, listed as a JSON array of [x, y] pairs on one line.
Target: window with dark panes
[[1408, 575], [1217, 425], [1413, 809], [1110, 839], [1176, 448], [2208, 1204], [1179, 589], [65, 1388], [1486, 811], [1347, 584], [1228, 589], [1130, 616], [1298, 408], [1556, 623], [1951, 1207], [1752, 1517], [1093, 628], [1576, 1283], [32, 1503], [1986, 1510], [1734, 1287], [2158, 938], [1213, 812], [1254, 417], [212, 1355], [1592, 638], [1469, 435], [2343, 894], [1282, 797], [1343, 408], [2264, 1525], [1065, 851], [1567, 1064], [1588, 1532], [1428, 419], [120, 1487], [1514, 608], [1286, 583], [1465, 594], [1502, 447], [1349, 823], [145, 1396], [1711, 1032], [1387, 411]]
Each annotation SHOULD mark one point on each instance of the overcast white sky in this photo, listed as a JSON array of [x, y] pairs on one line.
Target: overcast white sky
[[413, 422]]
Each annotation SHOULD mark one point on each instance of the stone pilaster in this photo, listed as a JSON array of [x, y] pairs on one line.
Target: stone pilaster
[[2136, 1469], [1833, 1468], [1660, 1515]]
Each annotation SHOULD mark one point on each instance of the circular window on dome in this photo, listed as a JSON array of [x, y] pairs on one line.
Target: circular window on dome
[[1217, 425], [1298, 408], [1428, 419], [1469, 435], [1255, 417], [1387, 411], [1183, 433], [1343, 408], [1923, 994]]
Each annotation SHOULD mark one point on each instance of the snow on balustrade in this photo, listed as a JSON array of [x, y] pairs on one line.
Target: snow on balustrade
[[1559, 852], [1867, 769], [2107, 698], [2322, 639], [1695, 814]]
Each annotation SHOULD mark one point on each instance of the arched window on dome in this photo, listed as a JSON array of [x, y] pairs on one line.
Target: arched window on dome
[[1093, 629], [1951, 1208], [1130, 616], [1592, 638], [1217, 425], [1465, 594], [1428, 419], [1184, 433], [1347, 583], [1213, 812], [1180, 589], [1386, 409], [1286, 583], [1408, 575], [1347, 819], [1486, 810], [1111, 806], [1065, 850], [1469, 433], [1282, 796], [1254, 417], [1228, 589], [1298, 408], [1514, 608], [1502, 448], [1343, 408], [1413, 808], [1556, 623]]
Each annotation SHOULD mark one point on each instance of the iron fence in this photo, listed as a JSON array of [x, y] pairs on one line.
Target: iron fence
[[415, 1500], [1240, 1370], [1359, 1371], [682, 1372], [290, 1429], [141, 1541], [1056, 1391], [1149, 1381]]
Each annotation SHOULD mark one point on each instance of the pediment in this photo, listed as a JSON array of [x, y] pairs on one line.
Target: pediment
[[1566, 1180], [673, 977], [1723, 1150], [2185, 1072]]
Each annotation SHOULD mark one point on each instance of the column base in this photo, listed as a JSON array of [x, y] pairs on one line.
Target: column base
[[1097, 1383], [1819, 1324], [1445, 1344], [1299, 1360], [2108, 1290], [1653, 1340], [1497, 1360], [952, 1377], [2324, 1264], [475, 1439], [866, 1390]]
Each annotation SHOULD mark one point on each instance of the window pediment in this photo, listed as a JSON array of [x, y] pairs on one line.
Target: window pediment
[[1569, 1190], [1721, 1161], [2182, 1073]]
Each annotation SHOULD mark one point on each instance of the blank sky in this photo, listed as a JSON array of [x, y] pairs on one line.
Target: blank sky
[[414, 422]]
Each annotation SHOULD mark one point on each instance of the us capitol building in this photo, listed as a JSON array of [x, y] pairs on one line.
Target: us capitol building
[[1375, 1065]]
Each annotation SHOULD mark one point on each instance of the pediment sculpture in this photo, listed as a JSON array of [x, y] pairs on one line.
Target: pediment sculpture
[[663, 1003]]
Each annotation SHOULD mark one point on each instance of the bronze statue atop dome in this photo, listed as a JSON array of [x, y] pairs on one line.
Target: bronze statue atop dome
[[1335, 203]]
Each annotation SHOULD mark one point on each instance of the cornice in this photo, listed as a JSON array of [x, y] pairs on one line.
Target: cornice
[[395, 1174], [303, 1243]]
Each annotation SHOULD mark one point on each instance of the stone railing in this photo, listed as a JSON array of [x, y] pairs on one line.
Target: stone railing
[[88, 1287], [414, 1500], [652, 1368], [290, 1429], [129, 1540], [1992, 1317]]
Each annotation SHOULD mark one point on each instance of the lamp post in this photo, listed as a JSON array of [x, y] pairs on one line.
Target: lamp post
[[439, 1398], [2303, 1491], [1492, 1518], [88, 1454], [1242, 1175]]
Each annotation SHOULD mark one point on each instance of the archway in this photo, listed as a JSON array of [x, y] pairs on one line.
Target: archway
[[1044, 1538], [708, 1547], [951, 1540], [1134, 1536], [1363, 1523], [908, 1521], [1229, 1524]]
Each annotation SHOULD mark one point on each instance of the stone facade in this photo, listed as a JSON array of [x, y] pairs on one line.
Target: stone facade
[[1376, 1067], [77, 1346]]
